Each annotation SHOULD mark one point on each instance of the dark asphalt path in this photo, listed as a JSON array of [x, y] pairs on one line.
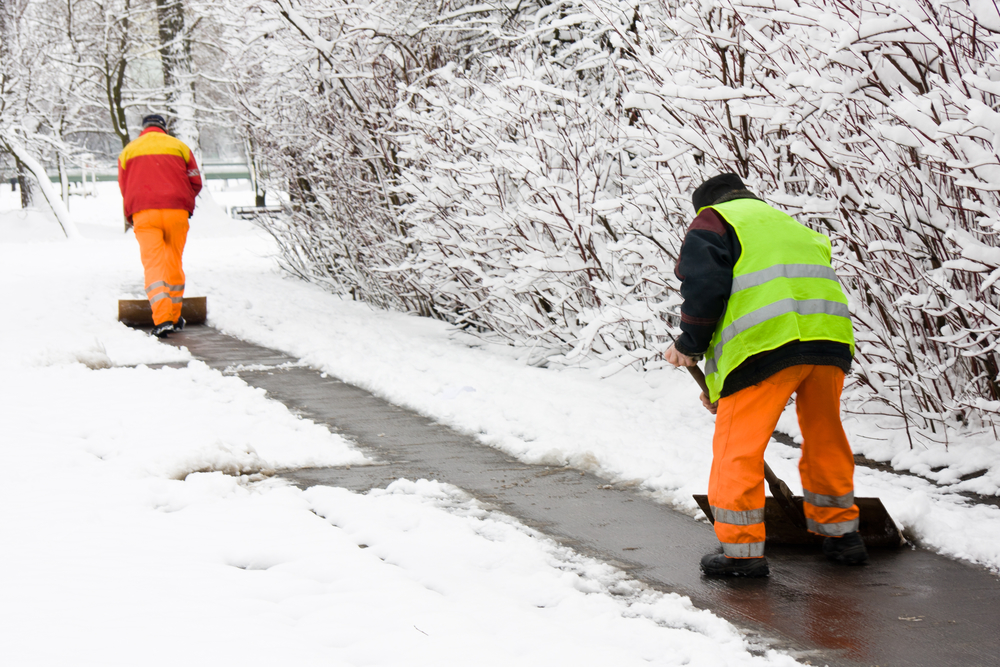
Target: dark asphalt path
[[907, 607]]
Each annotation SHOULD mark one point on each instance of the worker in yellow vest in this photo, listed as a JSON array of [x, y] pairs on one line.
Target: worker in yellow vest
[[764, 308]]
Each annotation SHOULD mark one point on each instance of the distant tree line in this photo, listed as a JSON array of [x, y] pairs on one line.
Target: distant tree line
[[77, 75]]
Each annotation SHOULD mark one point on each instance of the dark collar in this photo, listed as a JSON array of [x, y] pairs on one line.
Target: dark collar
[[735, 194]]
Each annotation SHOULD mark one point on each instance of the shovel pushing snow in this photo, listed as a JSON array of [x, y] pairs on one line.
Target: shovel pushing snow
[[138, 313], [785, 520]]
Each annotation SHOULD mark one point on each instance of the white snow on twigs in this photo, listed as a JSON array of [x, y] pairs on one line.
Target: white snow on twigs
[[41, 178]]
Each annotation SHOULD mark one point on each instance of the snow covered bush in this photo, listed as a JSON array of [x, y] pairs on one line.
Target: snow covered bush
[[533, 216], [318, 82], [467, 164], [875, 122], [525, 169]]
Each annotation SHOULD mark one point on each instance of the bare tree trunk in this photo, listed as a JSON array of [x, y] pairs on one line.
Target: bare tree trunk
[[175, 57], [260, 195], [114, 81], [23, 182], [63, 180], [4, 54]]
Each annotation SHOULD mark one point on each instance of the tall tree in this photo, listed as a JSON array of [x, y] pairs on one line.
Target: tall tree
[[12, 84], [178, 78]]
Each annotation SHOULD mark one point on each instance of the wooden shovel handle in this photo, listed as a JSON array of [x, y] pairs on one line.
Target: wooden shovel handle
[[699, 377]]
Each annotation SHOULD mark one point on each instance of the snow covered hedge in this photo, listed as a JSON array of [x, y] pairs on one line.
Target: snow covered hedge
[[525, 168]]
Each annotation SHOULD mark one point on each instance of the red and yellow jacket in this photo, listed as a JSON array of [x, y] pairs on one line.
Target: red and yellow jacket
[[157, 170]]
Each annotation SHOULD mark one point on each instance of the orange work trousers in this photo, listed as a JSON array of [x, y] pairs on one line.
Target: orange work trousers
[[743, 427], [162, 233]]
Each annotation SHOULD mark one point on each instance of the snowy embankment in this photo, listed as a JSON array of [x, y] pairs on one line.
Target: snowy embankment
[[140, 526]]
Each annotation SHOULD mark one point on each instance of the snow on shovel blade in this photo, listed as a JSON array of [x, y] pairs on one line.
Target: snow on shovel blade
[[875, 525], [138, 312]]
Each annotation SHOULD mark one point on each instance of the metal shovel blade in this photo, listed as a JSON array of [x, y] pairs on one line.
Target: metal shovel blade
[[138, 312], [875, 525]]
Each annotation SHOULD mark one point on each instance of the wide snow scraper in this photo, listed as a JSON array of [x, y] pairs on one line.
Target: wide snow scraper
[[138, 312], [785, 520]]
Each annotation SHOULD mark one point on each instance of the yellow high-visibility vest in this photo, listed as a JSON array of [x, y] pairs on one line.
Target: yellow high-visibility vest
[[784, 290]]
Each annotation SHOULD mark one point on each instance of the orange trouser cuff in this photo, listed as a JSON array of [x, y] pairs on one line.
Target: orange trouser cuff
[[162, 234]]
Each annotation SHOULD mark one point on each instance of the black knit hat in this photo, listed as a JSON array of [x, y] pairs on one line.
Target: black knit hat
[[714, 189], [154, 120]]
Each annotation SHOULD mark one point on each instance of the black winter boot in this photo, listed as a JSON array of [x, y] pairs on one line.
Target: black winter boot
[[161, 330], [849, 549], [720, 565], [179, 324]]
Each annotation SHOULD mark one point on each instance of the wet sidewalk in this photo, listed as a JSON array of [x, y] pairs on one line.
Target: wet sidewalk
[[907, 607]]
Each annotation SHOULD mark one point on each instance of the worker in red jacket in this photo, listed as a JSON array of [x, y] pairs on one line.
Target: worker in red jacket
[[159, 180]]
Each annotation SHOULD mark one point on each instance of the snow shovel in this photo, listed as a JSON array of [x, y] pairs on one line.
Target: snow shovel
[[785, 520], [138, 312]]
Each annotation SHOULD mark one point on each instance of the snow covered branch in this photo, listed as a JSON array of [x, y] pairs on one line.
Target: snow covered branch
[[525, 170], [38, 171]]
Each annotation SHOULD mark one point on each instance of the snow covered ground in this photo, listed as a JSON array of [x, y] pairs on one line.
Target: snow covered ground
[[141, 526]]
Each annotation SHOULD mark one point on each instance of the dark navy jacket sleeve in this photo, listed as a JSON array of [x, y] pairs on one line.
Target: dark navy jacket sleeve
[[705, 268]]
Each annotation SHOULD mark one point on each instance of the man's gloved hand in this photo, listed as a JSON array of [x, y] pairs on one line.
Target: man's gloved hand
[[711, 407]]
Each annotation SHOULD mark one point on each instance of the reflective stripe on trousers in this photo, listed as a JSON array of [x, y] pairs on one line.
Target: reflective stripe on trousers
[[739, 524], [738, 517], [832, 529], [164, 295], [820, 500], [161, 283], [743, 549], [830, 515]]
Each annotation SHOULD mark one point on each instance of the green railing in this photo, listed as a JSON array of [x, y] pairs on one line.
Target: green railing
[[209, 171]]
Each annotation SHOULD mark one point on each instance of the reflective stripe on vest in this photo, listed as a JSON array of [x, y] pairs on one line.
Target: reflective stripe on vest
[[769, 312], [782, 271], [784, 290]]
